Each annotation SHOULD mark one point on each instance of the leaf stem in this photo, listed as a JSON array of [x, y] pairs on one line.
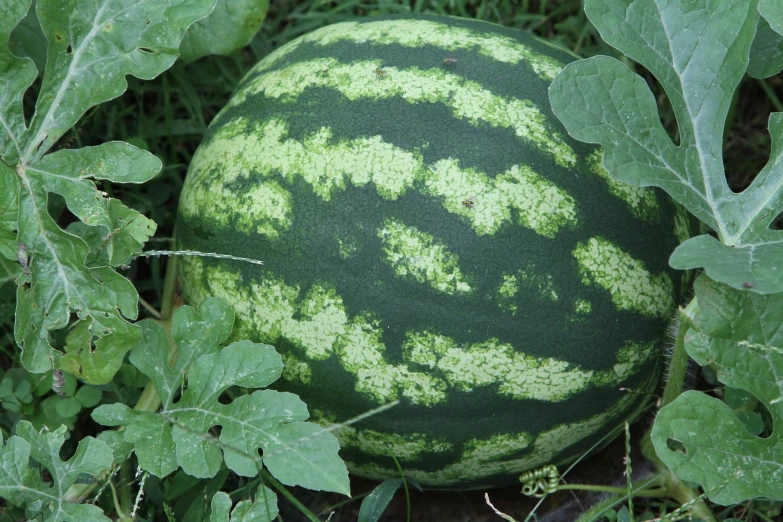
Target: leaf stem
[[687, 497], [678, 365], [121, 515], [149, 308], [647, 493], [149, 400], [125, 492], [405, 487], [773, 97], [169, 288], [617, 495], [287, 494]]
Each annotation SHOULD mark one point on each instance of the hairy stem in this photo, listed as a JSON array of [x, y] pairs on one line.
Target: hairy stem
[[678, 365]]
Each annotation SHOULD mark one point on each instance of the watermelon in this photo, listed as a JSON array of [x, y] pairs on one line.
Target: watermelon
[[433, 243]]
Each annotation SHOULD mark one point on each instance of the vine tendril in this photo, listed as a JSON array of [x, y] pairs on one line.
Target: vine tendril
[[540, 482]]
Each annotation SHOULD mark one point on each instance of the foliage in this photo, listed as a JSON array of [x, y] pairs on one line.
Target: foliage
[[229, 27], [740, 334], [78, 227], [766, 52], [295, 452], [91, 47], [264, 509], [376, 502], [22, 485], [698, 51]]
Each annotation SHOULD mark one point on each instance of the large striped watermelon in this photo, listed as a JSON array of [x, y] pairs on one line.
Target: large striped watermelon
[[431, 235]]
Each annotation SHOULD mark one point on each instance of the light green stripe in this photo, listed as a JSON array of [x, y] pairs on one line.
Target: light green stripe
[[295, 369], [516, 374], [494, 456], [467, 99], [419, 33], [406, 447], [530, 282], [682, 226], [540, 205], [240, 149], [319, 326], [414, 254], [630, 285], [642, 201]]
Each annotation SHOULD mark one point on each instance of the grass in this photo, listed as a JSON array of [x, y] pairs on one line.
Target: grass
[[168, 115]]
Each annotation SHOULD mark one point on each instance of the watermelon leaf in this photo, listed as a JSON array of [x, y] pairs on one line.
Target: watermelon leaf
[[90, 49], [376, 502], [294, 452], [22, 485], [740, 334], [772, 10], [9, 203], [698, 50], [264, 509], [766, 53], [16, 76], [230, 27]]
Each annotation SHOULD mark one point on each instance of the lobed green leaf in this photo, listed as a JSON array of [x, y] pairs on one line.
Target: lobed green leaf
[[28, 41], [91, 47], [698, 50], [263, 509], [227, 29], [23, 486], [295, 452], [700, 438]]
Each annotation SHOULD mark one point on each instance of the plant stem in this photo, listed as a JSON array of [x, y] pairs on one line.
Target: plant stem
[[678, 365], [617, 495], [125, 493], [169, 289], [149, 400], [686, 496], [121, 516], [647, 493], [287, 494]]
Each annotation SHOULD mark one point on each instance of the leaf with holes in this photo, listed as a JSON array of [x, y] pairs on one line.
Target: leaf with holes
[[227, 29], [59, 283], [22, 485], [698, 50], [91, 47], [700, 438], [295, 452]]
